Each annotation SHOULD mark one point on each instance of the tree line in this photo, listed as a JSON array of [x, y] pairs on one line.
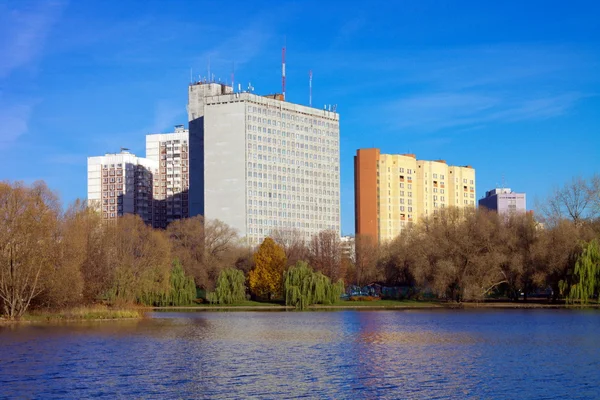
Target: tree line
[[53, 258]]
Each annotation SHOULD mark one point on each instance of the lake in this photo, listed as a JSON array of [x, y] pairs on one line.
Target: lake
[[500, 354]]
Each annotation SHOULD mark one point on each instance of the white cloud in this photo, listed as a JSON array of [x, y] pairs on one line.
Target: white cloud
[[428, 112]]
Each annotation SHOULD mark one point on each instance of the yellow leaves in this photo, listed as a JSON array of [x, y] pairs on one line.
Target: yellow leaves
[[266, 278]]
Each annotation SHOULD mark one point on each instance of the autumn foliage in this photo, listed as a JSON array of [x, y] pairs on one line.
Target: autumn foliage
[[266, 278]]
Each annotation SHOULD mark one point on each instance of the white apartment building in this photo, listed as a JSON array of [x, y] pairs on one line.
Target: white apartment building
[[121, 183], [259, 163], [171, 182]]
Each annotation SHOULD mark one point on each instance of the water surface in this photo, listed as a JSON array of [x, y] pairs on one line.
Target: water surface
[[524, 354]]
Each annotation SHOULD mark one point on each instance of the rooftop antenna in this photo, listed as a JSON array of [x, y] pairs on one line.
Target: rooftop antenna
[[283, 70], [232, 76], [310, 88], [209, 68]]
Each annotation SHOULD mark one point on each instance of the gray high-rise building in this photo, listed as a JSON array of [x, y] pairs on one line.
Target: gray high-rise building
[[504, 201], [260, 164]]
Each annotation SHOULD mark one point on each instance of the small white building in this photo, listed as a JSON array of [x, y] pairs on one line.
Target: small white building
[[121, 183]]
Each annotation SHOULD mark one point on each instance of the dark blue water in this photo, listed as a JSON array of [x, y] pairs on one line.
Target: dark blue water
[[492, 354]]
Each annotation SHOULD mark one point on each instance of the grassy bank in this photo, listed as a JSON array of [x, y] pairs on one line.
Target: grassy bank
[[83, 314]]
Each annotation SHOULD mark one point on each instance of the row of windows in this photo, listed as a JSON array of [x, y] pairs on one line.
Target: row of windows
[[316, 228], [306, 129], [290, 206], [333, 181], [291, 117], [285, 214], [276, 202], [321, 147]]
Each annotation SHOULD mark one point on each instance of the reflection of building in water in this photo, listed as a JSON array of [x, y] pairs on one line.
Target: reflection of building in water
[[120, 184], [171, 184]]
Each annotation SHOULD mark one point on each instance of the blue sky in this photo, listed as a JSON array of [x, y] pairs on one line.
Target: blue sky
[[511, 88]]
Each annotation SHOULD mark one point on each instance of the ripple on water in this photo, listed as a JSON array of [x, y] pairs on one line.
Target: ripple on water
[[346, 354]]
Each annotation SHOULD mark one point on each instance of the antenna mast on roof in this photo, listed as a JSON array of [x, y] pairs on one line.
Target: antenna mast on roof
[[209, 68], [232, 76], [310, 88], [283, 71]]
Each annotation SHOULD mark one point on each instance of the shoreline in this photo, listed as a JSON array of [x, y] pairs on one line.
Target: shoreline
[[57, 318], [413, 306]]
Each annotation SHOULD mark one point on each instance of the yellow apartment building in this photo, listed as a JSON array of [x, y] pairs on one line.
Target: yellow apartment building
[[393, 191]]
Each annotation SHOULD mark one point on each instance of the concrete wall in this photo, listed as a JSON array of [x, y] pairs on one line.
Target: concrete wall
[[196, 179], [225, 164], [365, 193]]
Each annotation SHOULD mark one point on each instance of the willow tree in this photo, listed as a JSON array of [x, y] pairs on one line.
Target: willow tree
[[586, 274], [304, 287], [230, 288]]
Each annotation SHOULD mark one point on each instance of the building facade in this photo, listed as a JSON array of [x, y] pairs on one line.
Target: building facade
[[393, 191], [121, 184], [261, 164], [171, 182], [504, 201]]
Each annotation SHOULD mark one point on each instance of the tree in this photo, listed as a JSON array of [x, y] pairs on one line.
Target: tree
[[28, 229], [63, 281], [326, 254], [140, 257], [456, 254], [187, 245], [577, 201], [397, 259], [205, 247], [367, 255], [586, 274], [266, 278], [304, 287], [293, 244], [230, 288], [556, 254], [181, 292]]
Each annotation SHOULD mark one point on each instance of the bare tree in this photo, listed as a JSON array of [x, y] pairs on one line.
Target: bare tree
[[326, 254], [205, 247], [293, 244], [367, 255], [577, 200], [63, 281], [456, 254], [28, 224]]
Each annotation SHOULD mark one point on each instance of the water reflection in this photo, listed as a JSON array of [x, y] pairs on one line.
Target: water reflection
[[346, 354]]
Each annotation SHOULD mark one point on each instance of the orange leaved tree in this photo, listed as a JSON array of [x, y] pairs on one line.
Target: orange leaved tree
[[266, 278]]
